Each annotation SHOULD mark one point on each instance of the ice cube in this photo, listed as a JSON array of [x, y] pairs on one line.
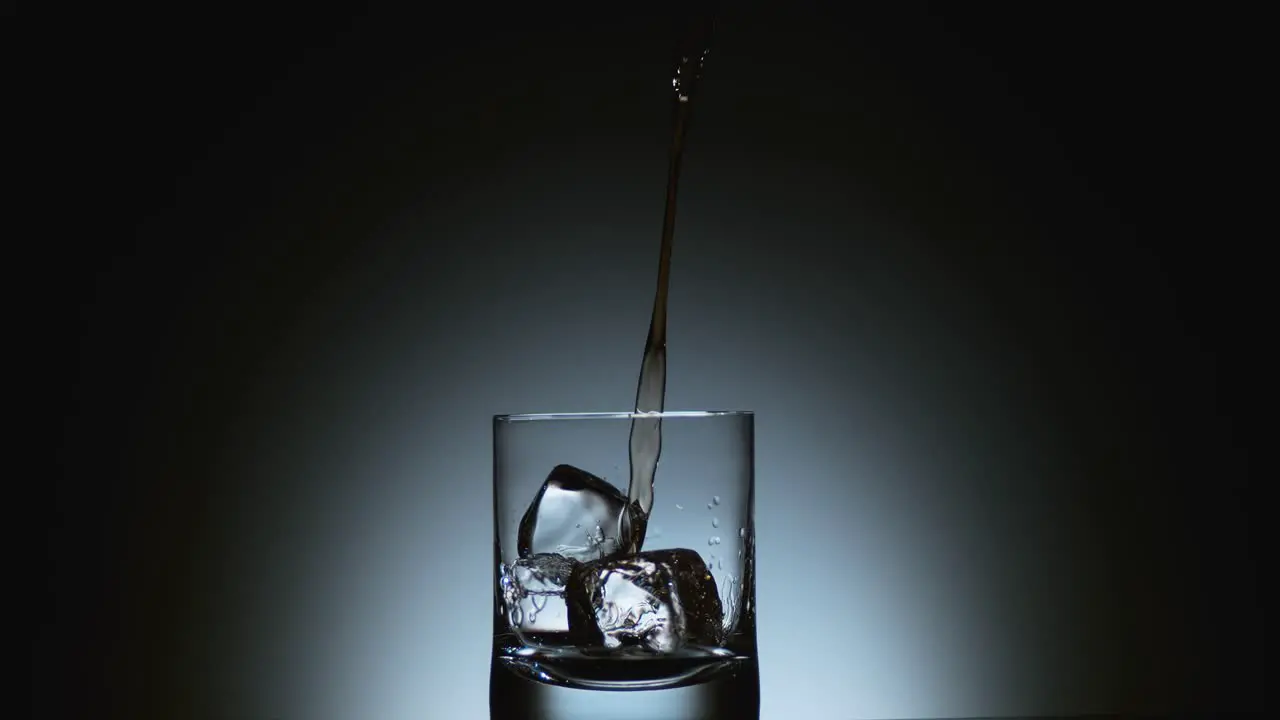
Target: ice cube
[[574, 514], [534, 591], [659, 600]]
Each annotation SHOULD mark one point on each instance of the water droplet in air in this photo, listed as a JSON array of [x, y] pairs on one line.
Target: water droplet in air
[[715, 500], [708, 506], [742, 533], [715, 522], [533, 616], [679, 506], [517, 616], [715, 540]]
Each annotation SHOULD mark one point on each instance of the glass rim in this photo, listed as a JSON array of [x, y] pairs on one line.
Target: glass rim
[[665, 415]]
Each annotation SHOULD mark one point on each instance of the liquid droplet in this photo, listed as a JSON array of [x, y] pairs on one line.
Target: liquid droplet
[[711, 540], [533, 616], [742, 533], [517, 616], [708, 506], [715, 522], [715, 540], [715, 500], [679, 506]]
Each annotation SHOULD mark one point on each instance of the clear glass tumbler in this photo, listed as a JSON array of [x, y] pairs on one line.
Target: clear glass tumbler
[[600, 611]]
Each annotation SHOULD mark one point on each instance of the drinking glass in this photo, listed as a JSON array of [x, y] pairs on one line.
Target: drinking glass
[[586, 627]]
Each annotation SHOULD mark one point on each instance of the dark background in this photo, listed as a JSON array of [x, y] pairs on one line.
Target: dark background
[[981, 271]]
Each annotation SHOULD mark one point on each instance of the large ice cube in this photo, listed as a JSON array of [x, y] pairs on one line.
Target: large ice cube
[[574, 514], [659, 600], [534, 592]]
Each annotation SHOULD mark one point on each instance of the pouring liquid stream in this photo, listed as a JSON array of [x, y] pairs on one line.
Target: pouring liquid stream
[[646, 432]]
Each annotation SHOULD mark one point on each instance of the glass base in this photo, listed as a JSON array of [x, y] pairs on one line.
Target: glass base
[[727, 688], [554, 660]]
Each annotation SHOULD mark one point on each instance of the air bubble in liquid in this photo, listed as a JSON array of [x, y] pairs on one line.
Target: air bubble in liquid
[[715, 522]]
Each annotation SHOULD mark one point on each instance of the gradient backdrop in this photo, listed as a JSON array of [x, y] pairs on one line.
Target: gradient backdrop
[[973, 268]]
